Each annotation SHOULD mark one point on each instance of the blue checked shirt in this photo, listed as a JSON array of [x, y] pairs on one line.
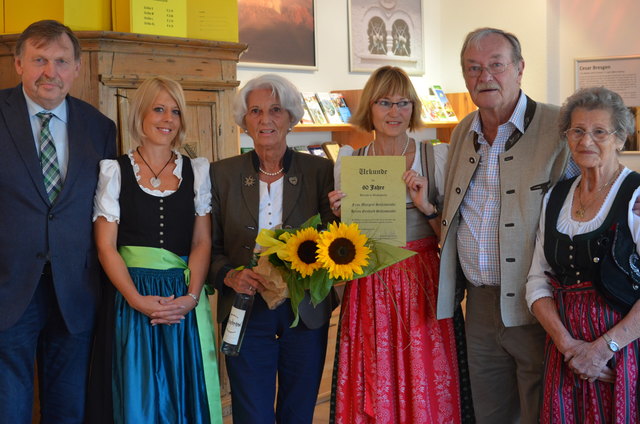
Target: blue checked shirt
[[478, 242]]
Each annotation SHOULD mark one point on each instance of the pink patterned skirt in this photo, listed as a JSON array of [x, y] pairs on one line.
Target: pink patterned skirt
[[567, 398], [396, 362]]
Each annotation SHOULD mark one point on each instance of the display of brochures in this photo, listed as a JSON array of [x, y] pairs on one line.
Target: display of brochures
[[306, 117], [301, 149], [341, 105], [316, 149], [324, 108], [314, 108], [449, 114], [431, 110], [329, 108]]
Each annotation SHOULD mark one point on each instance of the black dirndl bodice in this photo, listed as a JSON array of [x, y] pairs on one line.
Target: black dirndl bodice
[[151, 221]]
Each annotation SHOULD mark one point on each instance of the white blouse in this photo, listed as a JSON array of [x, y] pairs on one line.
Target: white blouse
[[106, 201], [440, 152], [537, 282], [270, 209]]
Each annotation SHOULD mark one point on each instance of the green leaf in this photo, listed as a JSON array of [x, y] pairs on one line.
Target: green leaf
[[296, 292], [383, 255], [320, 286], [314, 221]]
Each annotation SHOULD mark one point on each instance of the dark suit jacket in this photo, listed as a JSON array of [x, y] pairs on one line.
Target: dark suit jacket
[[236, 191], [33, 231]]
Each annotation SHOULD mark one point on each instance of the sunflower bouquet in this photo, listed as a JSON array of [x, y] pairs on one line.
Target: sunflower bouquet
[[306, 258]]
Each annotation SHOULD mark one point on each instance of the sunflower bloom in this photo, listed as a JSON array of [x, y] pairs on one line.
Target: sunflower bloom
[[301, 250], [342, 251]]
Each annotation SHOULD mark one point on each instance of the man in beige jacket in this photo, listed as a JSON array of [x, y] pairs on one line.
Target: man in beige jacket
[[502, 160]]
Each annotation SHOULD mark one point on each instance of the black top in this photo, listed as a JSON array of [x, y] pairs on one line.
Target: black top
[[576, 260], [147, 220]]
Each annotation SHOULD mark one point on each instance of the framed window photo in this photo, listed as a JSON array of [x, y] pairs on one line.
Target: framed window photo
[[279, 34], [386, 32]]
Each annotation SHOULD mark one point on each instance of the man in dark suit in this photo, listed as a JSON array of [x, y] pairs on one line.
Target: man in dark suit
[[50, 146]]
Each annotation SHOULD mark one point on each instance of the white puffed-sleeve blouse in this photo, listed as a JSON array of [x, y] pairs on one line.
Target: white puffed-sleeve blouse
[[106, 201]]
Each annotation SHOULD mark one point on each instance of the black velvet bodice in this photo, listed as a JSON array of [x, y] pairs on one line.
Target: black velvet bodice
[[576, 260], [162, 222]]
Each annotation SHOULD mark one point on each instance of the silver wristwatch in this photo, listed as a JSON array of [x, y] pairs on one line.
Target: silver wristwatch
[[613, 346]]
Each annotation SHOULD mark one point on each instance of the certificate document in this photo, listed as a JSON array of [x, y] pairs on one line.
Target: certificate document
[[375, 196]]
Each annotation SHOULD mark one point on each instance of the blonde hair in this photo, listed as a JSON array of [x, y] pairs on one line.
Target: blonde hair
[[142, 100], [386, 81]]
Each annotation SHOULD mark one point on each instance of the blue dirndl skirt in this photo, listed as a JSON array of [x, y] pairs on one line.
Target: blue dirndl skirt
[[158, 374]]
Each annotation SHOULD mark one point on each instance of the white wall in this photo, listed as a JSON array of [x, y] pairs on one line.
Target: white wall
[[591, 28], [525, 18], [553, 34], [332, 45]]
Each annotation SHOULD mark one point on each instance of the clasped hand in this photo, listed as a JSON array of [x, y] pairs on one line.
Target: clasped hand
[[589, 360], [164, 310]]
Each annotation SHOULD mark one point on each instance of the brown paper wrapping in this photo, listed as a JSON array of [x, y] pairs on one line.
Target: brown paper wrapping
[[276, 290]]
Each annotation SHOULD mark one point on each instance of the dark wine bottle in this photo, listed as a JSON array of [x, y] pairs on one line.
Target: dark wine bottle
[[238, 319], [237, 324]]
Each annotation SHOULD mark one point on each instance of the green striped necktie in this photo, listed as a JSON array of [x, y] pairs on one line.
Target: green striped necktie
[[49, 158]]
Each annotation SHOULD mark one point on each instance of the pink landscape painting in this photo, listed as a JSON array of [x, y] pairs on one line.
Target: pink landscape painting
[[279, 32]]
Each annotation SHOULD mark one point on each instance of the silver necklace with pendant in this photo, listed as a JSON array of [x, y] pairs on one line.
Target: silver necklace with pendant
[[155, 180]]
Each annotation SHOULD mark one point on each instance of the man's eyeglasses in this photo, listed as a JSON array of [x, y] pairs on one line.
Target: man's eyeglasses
[[386, 104], [493, 69], [598, 134]]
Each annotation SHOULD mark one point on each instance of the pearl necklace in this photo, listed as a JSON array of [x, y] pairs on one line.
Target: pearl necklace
[[271, 174], [404, 150], [581, 211]]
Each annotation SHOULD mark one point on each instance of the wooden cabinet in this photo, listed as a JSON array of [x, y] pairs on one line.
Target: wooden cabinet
[[114, 63]]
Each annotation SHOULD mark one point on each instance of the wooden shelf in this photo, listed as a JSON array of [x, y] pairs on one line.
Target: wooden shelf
[[323, 127], [441, 124], [349, 127]]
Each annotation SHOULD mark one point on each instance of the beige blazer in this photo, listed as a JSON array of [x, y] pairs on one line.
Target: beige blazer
[[527, 171]]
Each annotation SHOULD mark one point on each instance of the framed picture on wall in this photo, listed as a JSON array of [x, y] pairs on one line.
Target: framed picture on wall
[[279, 33], [386, 32]]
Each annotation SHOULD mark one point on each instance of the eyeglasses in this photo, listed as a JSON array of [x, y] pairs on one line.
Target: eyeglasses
[[598, 134], [386, 104], [492, 69]]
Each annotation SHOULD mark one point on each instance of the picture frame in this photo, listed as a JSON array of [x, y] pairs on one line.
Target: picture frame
[[620, 74], [267, 26], [386, 32]]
